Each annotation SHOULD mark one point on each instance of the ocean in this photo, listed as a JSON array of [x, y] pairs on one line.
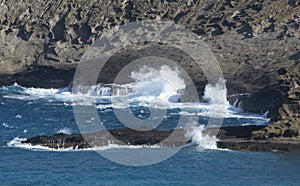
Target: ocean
[[26, 112]]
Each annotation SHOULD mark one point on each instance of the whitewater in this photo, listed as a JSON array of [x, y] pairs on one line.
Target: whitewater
[[151, 89], [26, 112]]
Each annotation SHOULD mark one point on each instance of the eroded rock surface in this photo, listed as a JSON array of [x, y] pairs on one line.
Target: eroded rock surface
[[251, 39], [126, 136], [286, 124], [235, 138], [42, 42]]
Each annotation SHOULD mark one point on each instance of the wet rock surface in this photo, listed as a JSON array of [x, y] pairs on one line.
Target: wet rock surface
[[43, 41], [259, 145], [116, 137], [235, 138]]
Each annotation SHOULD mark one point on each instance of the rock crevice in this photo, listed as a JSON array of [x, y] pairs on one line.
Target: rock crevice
[[286, 124]]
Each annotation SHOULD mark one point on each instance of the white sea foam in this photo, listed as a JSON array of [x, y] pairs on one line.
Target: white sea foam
[[65, 130], [216, 94], [18, 116], [17, 143], [18, 92], [5, 125], [150, 86], [202, 140], [163, 84]]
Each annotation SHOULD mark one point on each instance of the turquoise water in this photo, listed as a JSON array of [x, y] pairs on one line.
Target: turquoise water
[[29, 112]]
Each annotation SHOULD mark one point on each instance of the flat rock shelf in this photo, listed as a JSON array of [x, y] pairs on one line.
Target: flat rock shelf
[[231, 137]]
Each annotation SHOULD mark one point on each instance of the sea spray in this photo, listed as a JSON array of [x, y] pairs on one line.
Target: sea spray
[[164, 74], [163, 84], [65, 130], [216, 94], [201, 139], [149, 84]]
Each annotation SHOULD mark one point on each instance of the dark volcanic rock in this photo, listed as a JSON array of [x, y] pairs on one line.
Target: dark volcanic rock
[[259, 145], [41, 76], [59, 141], [243, 132], [43, 41], [263, 101], [286, 125], [117, 136], [235, 138]]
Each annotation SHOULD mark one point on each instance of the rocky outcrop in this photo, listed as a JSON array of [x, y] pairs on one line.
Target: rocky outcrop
[[265, 101], [128, 136], [42, 42], [124, 136], [286, 124], [259, 145], [251, 39], [235, 138]]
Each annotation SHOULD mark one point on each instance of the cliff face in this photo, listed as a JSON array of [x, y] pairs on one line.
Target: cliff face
[[251, 39], [287, 122]]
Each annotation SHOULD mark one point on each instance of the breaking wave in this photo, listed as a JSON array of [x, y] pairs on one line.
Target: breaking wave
[[149, 85], [216, 94], [202, 140]]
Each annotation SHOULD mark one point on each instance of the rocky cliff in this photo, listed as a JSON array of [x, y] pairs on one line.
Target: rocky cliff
[[286, 124], [251, 39], [42, 42]]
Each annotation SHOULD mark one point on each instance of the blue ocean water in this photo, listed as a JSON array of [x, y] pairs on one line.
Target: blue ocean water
[[26, 112]]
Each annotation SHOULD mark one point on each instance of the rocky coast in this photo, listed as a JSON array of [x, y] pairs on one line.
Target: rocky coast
[[282, 133], [234, 138], [256, 43], [250, 39]]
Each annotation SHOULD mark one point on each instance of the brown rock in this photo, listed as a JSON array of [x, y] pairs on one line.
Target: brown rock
[[250, 39], [287, 124]]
